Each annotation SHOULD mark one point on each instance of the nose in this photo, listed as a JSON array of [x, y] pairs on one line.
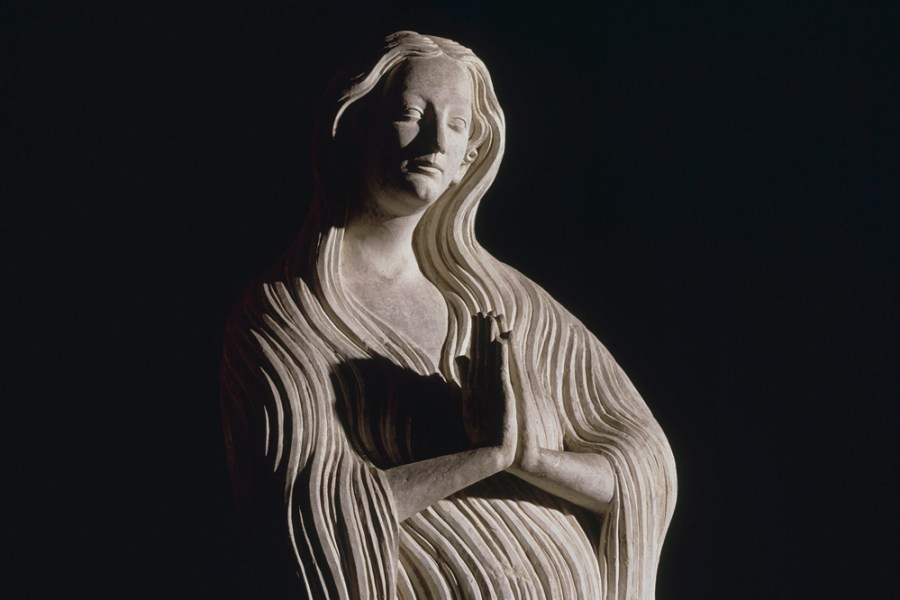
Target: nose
[[440, 138], [437, 135]]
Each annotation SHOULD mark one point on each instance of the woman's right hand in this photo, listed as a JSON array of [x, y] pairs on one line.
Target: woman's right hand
[[489, 401], [489, 414]]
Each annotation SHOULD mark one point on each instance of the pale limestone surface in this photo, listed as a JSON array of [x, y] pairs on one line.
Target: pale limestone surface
[[411, 417]]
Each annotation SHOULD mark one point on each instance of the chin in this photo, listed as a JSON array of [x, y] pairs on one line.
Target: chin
[[427, 192]]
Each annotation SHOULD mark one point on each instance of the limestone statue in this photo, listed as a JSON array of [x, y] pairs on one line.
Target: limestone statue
[[405, 415]]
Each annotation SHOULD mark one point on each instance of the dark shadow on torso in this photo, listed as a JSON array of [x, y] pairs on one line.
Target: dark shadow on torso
[[395, 416]]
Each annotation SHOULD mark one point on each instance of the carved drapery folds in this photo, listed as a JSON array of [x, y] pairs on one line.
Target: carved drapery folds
[[321, 396]]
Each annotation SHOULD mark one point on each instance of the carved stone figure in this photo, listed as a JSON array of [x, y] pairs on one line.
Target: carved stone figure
[[405, 415]]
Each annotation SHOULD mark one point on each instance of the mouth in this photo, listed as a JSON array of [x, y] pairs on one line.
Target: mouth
[[422, 165]]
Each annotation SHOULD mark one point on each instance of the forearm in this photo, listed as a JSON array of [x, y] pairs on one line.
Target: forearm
[[587, 480], [418, 485]]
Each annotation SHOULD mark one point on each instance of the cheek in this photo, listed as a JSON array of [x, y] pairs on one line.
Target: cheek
[[405, 133], [459, 149]]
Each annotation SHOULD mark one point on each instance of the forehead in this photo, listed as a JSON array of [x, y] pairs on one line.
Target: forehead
[[440, 80]]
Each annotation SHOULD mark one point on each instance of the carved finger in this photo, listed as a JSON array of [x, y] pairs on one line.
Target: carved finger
[[495, 328], [463, 365], [474, 350], [501, 324], [510, 409], [478, 346], [488, 335]]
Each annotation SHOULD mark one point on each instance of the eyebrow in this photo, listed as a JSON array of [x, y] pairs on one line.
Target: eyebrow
[[405, 96], [454, 102]]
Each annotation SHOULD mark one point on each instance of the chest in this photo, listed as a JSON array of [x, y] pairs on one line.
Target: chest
[[414, 311]]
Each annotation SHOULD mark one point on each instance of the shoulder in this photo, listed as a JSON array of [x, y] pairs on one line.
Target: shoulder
[[532, 300], [546, 319]]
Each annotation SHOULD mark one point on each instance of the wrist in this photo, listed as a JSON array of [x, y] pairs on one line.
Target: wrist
[[503, 457], [529, 458]]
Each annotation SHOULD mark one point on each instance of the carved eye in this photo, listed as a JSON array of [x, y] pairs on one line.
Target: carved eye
[[459, 124], [413, 113]]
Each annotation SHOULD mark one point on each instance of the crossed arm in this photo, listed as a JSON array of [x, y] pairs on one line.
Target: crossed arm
[[583, 479]]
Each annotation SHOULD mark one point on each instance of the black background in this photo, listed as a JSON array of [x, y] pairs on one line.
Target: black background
[[710, 189]]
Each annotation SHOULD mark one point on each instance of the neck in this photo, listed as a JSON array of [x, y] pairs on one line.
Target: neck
[[381, 245]]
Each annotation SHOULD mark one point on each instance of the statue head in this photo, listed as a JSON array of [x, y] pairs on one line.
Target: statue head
[[422, 121], [415, 143], [444, 241]]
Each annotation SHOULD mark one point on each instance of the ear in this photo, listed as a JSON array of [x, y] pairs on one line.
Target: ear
[[470, 157]]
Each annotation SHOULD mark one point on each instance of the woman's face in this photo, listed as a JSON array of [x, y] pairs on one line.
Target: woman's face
[[421, 136]]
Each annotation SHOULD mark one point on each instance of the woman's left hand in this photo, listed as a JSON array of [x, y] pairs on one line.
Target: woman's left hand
[[529, 420], [585, 479]]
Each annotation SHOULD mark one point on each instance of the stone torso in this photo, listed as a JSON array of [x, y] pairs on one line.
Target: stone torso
[[410, 306]]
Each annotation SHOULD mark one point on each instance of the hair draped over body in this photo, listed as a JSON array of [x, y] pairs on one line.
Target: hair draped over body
[[300, 473]]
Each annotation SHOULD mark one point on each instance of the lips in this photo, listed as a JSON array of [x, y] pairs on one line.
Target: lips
[[423, 165]]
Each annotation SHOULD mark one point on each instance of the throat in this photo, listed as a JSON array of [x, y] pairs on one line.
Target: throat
[[411, 309], [380, 270]]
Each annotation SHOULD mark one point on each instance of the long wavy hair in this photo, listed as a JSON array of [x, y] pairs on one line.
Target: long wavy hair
[[577, 388], [448, 253]]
